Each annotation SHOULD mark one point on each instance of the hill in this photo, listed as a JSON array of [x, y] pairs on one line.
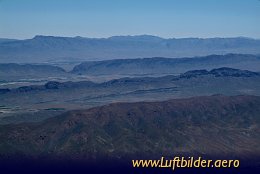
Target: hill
[[14, 71], [217, 126], [160, 66]]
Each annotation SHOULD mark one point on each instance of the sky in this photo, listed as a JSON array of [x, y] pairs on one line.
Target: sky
[[22, 19]]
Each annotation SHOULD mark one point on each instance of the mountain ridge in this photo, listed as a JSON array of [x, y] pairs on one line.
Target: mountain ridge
[[155, 66], [161, 65], [51, 48], [194, 126], [218, 72]]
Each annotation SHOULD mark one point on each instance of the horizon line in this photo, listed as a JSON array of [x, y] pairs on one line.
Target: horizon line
[[138, 35]]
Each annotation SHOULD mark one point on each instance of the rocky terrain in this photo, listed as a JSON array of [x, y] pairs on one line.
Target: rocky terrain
[[209, 126]]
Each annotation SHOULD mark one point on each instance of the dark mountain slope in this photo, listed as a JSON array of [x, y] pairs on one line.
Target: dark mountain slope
[[209, 126]]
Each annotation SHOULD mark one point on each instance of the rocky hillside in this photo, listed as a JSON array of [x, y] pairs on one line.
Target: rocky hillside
[[214, 126]]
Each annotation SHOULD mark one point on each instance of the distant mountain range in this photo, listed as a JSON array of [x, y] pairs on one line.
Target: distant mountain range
[[129, 67], [66, 49], [216, 126], [159, 66], [34, 103], [25, 70], [128, 97], [219, 72]]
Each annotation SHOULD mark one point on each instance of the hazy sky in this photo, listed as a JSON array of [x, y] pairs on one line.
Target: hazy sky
[[103, 18]]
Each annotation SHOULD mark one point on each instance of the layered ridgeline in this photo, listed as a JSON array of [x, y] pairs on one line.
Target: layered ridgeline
[[208, 126], [60, 49], [213, 74], [94, 70], [10, 71], [37, 102], [159, 66], [13, 75]]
